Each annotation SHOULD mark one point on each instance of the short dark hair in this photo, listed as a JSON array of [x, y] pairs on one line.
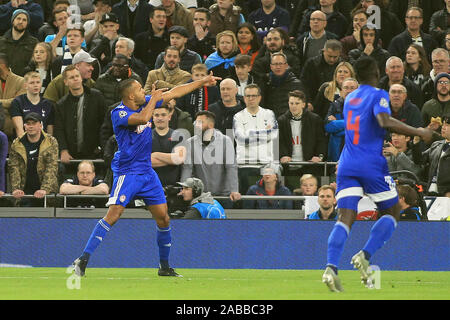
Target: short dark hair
[[81, 29], [243, 60], [204, 10], [174, 49], [297, 94], [158, 8], [333, 44], [366, 69], [408, 193], [210, 115], [122, 57], [67, 69], [124, 86], [253, 86]]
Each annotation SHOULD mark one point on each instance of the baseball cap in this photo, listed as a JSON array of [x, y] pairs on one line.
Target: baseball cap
[[82, 56], [193, 183], [180, 30], [109, 17], [32, 116]]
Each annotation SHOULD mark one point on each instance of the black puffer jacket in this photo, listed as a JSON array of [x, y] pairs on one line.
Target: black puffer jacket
[[109, 86]]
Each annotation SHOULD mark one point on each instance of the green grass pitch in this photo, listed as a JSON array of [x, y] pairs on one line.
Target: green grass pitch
[[214, 284]]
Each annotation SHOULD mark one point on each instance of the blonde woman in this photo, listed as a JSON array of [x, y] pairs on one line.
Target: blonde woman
[[330, 91]]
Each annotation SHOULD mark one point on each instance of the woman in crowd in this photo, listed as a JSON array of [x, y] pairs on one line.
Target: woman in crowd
[[248, 41], [417, 67]]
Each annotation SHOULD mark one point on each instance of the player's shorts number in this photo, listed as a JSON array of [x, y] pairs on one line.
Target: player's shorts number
[[353, 125]]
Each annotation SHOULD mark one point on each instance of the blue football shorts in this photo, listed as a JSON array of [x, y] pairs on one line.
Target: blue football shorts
[[143, 186], [380, 188]]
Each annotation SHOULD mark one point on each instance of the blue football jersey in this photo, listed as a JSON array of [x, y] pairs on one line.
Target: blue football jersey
[[134, 142], [364, 137]]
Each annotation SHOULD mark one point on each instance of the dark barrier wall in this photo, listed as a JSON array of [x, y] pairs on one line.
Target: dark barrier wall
[[259, 244]]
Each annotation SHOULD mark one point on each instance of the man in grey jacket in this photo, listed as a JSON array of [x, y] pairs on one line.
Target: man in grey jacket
[[210, 157]]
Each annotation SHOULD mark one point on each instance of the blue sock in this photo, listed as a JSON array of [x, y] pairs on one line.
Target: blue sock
[[381, 232], [164, 239], [96, 237], [336, 242]]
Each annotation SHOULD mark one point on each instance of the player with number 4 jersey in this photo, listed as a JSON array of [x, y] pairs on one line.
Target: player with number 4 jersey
[[363, 170]]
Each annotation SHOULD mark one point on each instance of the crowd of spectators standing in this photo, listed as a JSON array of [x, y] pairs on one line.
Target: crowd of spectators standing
[[285, 68]]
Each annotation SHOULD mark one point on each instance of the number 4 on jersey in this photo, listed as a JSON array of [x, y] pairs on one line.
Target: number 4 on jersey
[[353, 126]]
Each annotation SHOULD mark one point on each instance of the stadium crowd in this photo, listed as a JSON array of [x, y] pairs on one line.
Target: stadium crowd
[[286, 68]]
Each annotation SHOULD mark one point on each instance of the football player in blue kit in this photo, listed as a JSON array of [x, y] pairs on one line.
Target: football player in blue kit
[[363, 170], [134, 176]]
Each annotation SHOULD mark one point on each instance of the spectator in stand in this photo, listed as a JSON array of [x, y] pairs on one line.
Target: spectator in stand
[[92, 27], [248, 41], [178, 15], [441, 63], [311, 42], [269, 185], [72, 43], [56, 89], [352, 41], [199, 99], [203, 41], [400, 7], [32, 9], [18, 43], [179, 119], [210, 157], [178, 38], [170, 74], [133, 17], [3, 155], [302, 137], [439, 23], [32, 101], [168, 154], [370, 47], [334, 121], [401, 108], [268, 17], [320, 69], [243, 67], [276, 40], [108, 82], [399, 156], [54, 18], [277, 85], [42, 62], [201, 204], [125, 46], [104, 46], [152, 42], [417, 67], [437, 161], [330, 91], [407, 199], [85, 182], [33, 163], [388, 25], [78, 118], [413, 34], [439, 105], [221, 62], [395, 74], [336, 21], [308, 185], [190, 4], [12, 86], [225, 16], [228, 105], [255, 131], [327, 204]]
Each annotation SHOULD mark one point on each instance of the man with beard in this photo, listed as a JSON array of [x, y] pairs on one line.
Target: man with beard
[[210, 157], [327, 202], [108, 83], [33, 9], [275, 42], [440, 103], [170, 74], [17, 43]]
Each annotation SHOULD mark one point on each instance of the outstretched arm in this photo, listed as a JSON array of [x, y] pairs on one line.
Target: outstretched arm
[[181, 90], [388, 122]]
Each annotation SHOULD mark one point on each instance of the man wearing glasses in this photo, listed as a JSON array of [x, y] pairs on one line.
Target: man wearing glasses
[[412, 34], [440, 103], [440, 61]]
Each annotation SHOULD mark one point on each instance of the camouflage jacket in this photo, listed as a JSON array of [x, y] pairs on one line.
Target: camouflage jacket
[[47, 164]]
